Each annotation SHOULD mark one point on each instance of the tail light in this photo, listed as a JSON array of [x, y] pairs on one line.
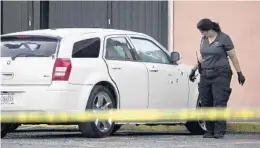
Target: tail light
[[61, 70]]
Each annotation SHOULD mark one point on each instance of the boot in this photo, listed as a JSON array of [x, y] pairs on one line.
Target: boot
[[208, 135], [219, 135]]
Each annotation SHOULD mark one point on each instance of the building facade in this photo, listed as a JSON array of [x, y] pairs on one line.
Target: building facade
[[173, 24], [148, 17], [239, 19]]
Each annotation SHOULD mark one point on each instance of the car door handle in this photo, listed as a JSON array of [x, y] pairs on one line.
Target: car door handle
[[154, 70], [7, 76], [116, 68]]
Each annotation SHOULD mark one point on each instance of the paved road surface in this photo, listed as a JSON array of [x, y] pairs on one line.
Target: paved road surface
[[125, 139]]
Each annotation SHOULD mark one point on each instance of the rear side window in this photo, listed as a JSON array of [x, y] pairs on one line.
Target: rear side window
[[28, 46], [88, 48], [118, 48]]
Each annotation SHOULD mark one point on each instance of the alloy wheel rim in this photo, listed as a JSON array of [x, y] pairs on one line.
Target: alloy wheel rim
[[102, 102], [202, 123]]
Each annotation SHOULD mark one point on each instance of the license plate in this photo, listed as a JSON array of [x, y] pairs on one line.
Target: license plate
[[7, 98]]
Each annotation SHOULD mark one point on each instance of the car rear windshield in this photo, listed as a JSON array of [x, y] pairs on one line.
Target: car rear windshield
[[28, 46]]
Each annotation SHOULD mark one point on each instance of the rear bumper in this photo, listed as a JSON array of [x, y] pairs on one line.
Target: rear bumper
[[59, 96]]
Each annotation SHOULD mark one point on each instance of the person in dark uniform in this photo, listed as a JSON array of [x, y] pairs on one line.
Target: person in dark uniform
[[215, 72]]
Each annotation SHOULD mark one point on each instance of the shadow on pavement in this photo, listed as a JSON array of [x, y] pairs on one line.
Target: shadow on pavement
[[56, 134], [149, 133], [44, 130]]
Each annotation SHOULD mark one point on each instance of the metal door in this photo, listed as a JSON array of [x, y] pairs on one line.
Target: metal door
[[78, 14], [150, 17], [17, 16]]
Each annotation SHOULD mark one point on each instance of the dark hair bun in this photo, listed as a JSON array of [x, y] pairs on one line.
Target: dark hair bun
[[216, 27], [206, 24]]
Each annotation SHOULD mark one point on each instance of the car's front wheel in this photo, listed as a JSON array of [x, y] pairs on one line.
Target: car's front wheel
[[100, 99], [196, 127]]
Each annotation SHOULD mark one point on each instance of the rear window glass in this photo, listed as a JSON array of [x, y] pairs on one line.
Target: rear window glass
[[29, 47], [88, 48]]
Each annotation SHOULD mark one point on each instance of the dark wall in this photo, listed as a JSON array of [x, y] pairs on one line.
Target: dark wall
[[148, 17]]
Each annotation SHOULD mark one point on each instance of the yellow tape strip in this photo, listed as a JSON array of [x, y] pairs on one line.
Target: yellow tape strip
[[132, 115]]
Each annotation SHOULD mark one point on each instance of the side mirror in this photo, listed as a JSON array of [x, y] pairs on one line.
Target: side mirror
[[175, 56]]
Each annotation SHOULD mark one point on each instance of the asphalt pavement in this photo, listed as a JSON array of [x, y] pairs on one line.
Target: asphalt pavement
[[125, 139]]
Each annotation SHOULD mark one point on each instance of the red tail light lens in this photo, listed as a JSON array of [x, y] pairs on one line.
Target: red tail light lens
[[61, 70]]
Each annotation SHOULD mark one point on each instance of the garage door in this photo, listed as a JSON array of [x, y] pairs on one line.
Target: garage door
[[77, 14], [15, 16], [150, 17]]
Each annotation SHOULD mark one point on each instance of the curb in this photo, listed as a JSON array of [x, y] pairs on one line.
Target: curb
[[253, 127], [231, 127]]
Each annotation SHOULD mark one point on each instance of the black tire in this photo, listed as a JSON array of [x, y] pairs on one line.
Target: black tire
[[196, 127], [13, 127], [4, 129], [8, 128], [116, 128], [89, 129], [3, 134]]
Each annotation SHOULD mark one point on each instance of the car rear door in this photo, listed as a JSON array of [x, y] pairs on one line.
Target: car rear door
[[130, 76], [27, 60]]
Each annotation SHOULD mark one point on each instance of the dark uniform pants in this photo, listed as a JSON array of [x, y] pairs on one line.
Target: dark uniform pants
[[214, 91]]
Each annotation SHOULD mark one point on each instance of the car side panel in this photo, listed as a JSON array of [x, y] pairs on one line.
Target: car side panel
[[193, 94], [86, 71], [131, 78], [168, 85], [132, 81]]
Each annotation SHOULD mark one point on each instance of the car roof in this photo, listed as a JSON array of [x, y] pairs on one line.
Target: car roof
[[62, 32]]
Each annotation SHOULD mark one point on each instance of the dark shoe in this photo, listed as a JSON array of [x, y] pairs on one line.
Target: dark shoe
[[219, 135], [208, 135]]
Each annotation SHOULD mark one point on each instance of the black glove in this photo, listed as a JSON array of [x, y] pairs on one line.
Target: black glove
[[241, 78], [192, 75]]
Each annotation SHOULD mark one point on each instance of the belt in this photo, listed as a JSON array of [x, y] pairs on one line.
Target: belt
[[209, 68], [216, 68]]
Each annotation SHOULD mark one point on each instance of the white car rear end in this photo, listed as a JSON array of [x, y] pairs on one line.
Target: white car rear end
[[34, 78]]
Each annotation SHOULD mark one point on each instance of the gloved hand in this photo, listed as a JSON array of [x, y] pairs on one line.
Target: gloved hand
[[241, 78], [192, 75]]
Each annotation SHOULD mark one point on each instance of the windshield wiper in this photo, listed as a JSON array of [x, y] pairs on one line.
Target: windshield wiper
[[27, 54]]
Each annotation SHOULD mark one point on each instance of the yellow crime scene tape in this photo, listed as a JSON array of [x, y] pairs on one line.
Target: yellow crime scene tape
[[132, 115]]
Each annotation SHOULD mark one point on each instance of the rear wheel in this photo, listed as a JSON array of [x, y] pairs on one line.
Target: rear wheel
[[4, 130], [196, 127], [7, 128], [100, 99], [13, 127], [116, 128]]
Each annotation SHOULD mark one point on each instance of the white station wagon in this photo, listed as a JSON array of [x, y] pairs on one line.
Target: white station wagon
[[78, 69]]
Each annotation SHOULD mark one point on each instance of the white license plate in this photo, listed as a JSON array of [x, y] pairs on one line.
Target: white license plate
[[7, 98]]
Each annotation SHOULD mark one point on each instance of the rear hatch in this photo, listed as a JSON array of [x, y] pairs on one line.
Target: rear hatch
[[28, 60]]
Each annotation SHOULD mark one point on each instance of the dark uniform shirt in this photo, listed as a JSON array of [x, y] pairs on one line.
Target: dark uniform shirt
[[214, 55]]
